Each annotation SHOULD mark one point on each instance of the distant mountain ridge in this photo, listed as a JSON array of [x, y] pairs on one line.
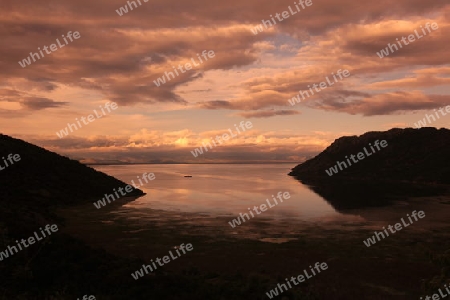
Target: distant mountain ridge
[[413, 155]]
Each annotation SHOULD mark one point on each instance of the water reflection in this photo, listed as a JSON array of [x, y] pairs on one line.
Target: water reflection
[[224, 190], [345, 194]]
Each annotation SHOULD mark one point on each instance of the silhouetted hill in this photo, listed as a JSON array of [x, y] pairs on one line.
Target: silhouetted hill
[[59, 267], [415, 155], [415, 162], [50, 178]]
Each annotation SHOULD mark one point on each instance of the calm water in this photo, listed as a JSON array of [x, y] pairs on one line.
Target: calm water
[[224, 191]]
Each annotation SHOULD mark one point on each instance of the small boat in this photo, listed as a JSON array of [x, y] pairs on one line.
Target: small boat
[[189, 176]]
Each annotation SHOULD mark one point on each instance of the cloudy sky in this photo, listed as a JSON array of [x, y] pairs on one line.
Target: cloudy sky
[[251, 77]]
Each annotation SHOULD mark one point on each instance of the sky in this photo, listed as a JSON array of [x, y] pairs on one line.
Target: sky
[[118, 56]]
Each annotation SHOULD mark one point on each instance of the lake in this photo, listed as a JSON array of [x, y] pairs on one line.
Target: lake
[[224, 190]]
